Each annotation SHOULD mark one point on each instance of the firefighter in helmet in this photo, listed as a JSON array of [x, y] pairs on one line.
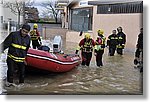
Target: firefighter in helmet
[[121, 41], [86, 46], [35, 37], [99, 47]]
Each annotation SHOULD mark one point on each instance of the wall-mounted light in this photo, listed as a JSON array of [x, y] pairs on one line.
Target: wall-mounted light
[[109, 9]]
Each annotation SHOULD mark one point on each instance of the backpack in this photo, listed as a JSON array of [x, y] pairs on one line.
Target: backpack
[[99, 40]]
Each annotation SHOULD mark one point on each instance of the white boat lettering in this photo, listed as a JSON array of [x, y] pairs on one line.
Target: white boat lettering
[[75, 58]]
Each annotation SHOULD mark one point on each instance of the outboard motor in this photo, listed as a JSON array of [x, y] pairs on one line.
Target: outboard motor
[[57, 44]]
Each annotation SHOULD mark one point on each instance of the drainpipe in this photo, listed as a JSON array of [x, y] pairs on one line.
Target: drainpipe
[[8, 25], [45, 32]]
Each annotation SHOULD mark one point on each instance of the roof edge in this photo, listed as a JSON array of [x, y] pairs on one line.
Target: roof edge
[[113, 2]]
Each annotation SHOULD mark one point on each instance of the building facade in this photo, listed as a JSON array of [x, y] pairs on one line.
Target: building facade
[[89, 16], [61, 6], [8, 17], [31, 13]]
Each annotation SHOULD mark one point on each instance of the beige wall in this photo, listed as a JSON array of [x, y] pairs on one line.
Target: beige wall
[[72, 36], [131, 24], [51, 32]]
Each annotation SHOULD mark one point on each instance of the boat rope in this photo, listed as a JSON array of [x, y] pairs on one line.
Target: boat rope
[[48, 58]]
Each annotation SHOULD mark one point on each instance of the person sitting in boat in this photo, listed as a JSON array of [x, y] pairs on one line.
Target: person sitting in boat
[[86, 46]]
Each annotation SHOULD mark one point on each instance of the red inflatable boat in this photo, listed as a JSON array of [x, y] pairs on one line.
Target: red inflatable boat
[[52, 62]]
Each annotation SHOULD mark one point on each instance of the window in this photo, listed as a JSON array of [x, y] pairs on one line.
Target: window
[[81, 19], [136, 7]]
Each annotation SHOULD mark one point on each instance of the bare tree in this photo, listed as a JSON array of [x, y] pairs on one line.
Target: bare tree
[[17, 7], [46, 13], [51, 7]]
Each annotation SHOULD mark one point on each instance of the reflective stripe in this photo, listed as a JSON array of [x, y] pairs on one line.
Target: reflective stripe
[[103, 40], [120, 37], [98, 47], [19, 46], [87, 49], [17, 59], [33, 35], [114, 38], [118, 46], [88, 44]]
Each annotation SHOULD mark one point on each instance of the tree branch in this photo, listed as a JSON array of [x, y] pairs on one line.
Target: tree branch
[[50, 5]]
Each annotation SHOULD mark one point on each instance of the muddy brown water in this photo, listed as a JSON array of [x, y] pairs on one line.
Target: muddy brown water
[[117, 76]]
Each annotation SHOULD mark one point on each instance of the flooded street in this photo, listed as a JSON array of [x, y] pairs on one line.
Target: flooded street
[[64, 25], [117, 76]]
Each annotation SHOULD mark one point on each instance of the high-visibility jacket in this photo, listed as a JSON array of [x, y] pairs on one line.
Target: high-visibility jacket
[[86, 46], [17, 44], [34, 34], [101, 45], [121, 40]]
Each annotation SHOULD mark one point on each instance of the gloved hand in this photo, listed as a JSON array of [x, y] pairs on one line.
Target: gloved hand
[[76, 52], [123, 45], [81, 33], [40, 43], [136, 61], [102, 46], [107, 46]]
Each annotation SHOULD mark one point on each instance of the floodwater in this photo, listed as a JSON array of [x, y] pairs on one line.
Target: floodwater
[[117, 76]]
